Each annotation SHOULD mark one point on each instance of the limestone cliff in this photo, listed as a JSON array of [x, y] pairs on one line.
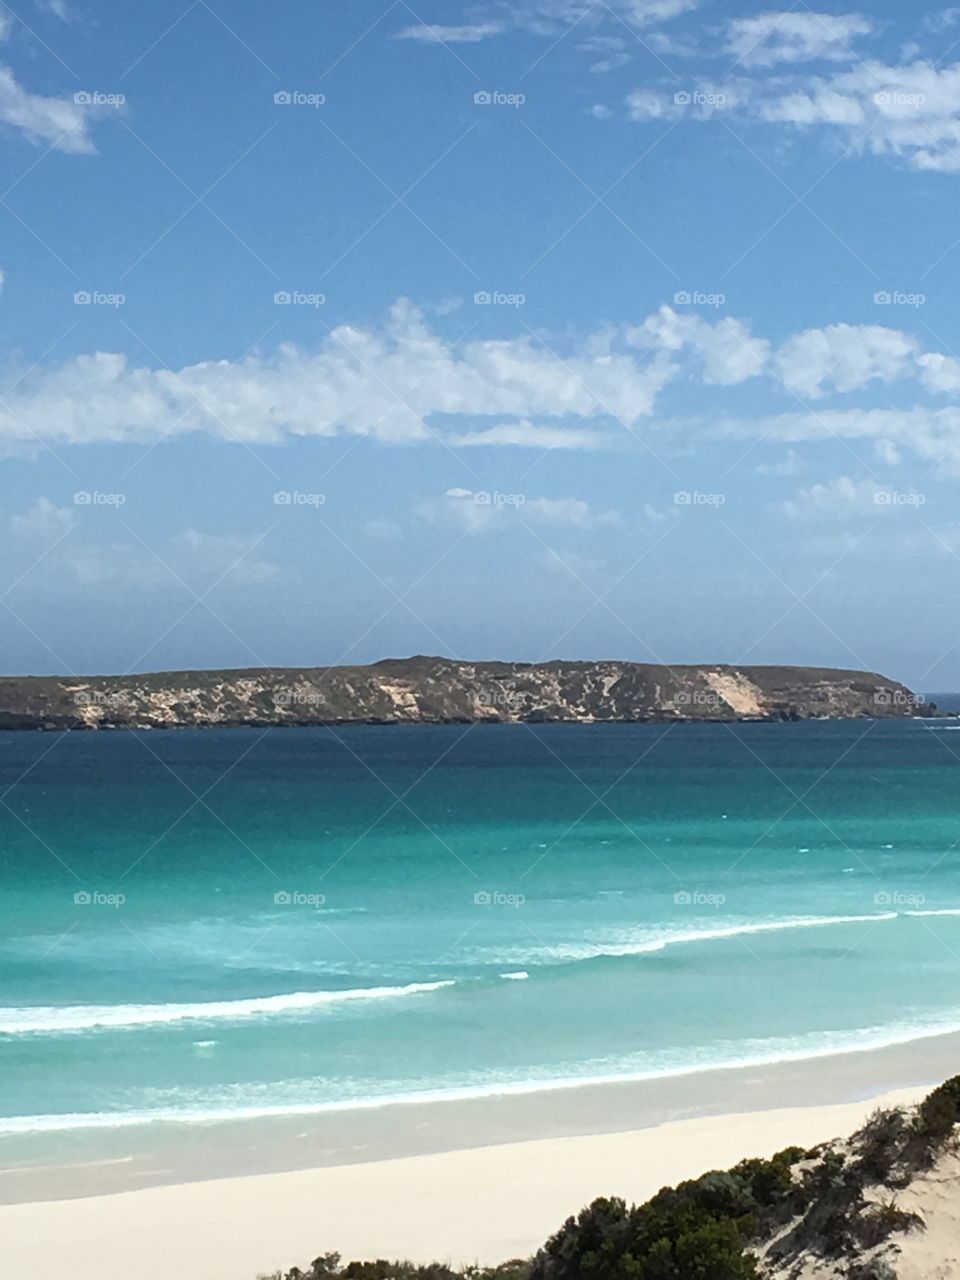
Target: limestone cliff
[[439, 690]]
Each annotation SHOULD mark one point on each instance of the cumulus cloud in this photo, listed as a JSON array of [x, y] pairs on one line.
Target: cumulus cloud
[[387, 384], [840, 497], [552, 18], [843, 357], [795, 35], [909, 111], [729, 352], [56, 122]]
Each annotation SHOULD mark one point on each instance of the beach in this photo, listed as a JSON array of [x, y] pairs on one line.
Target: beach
[[483, 1205], [441, 1040]]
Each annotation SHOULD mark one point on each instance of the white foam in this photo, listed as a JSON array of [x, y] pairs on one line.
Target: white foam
[[87, 1017], [860, 1040], [653, 942], [518, 976]]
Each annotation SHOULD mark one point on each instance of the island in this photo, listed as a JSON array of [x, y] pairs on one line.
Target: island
[[426, 690]]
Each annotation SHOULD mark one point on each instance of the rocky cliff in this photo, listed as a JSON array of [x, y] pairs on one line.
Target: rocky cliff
[[438, 690]]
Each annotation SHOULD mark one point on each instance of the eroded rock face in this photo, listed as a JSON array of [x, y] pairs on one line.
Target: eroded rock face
[[438, 690]]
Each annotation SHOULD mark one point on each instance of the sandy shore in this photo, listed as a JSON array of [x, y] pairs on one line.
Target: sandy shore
[[484, 1204]]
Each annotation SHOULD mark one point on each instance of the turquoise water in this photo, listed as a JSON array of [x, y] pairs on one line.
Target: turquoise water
[[306, 920]]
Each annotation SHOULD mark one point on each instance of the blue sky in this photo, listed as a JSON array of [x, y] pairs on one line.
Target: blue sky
[[569, 329]]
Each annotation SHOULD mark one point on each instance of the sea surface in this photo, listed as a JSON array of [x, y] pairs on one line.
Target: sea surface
[[206, 925]]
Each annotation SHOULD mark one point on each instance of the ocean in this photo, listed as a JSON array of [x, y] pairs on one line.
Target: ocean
[[217, 924]]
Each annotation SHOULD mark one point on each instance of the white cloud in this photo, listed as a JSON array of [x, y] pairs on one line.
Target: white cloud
[[526, 434], [839, 497], [610, 53], [941, 19], [642, 12], [484, 511], [383, 383], [44, 521], [795, 36], [911, 110], [843, 357], [436, 33], [729, 352], [59, 123], [932, 435]]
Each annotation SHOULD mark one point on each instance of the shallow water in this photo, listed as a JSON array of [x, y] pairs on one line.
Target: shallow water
[[213, 924]]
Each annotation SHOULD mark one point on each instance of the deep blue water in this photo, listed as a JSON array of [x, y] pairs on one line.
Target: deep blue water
[[215, 923]]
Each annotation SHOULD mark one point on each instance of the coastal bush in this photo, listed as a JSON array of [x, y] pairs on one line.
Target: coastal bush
[[939, 1111], [879, 1144]]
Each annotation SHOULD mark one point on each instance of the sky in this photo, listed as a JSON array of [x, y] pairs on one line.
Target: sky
[[550, 329]]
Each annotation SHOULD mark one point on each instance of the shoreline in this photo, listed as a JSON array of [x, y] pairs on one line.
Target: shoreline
[[477, 1204], [57, 1165]]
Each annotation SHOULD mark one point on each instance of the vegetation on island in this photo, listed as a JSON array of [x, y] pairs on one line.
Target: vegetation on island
[[835, 1202]]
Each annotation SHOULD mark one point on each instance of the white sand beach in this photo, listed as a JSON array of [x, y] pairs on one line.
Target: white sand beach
[[484, 1204]]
